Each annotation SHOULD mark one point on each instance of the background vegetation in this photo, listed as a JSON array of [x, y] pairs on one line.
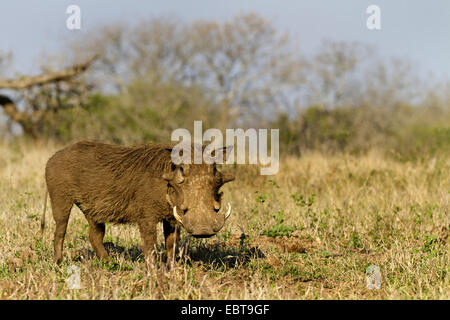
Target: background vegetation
[[160, 74]]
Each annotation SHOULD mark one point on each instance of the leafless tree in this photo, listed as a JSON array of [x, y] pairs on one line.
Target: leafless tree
[[245, 65], [336, 74]]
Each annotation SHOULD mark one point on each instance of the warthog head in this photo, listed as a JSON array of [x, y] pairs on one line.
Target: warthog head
[[193, 193]]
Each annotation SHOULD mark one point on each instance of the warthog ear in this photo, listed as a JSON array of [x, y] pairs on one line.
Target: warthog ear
[[225, 151], [227, 177], [176, 175]]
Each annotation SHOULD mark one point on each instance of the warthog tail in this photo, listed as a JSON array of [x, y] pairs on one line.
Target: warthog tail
[[43, 213]]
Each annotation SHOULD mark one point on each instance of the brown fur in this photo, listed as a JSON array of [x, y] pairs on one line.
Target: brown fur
[[137, 184]]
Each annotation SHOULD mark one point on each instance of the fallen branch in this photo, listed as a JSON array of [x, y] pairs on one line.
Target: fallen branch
[[25, 82]]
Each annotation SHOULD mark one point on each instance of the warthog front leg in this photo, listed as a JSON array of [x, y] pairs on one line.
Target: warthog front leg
[[147, 230], [171, 237]]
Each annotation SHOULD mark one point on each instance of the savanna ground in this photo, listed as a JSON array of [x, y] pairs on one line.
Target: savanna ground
[[309, 232]]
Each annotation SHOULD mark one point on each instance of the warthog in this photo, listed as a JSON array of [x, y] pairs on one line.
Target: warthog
[[137, 184]]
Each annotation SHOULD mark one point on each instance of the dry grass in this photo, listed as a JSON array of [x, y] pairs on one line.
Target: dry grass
[[310, 232]]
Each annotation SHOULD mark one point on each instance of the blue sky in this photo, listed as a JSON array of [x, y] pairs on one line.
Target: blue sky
[[413, 29]]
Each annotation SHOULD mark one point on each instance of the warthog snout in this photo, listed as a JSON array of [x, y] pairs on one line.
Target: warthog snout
[[202, 226]]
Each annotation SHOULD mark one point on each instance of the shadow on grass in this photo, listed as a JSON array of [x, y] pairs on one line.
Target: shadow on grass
[[133, 253], [213, 256], [221, 255]]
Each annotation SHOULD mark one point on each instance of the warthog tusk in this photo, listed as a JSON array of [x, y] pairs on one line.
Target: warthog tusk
[[175, 214], [228, 212]]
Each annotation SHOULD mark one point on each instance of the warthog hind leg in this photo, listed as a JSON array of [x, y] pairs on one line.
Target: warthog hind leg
[[61, 211], [96, 234]]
